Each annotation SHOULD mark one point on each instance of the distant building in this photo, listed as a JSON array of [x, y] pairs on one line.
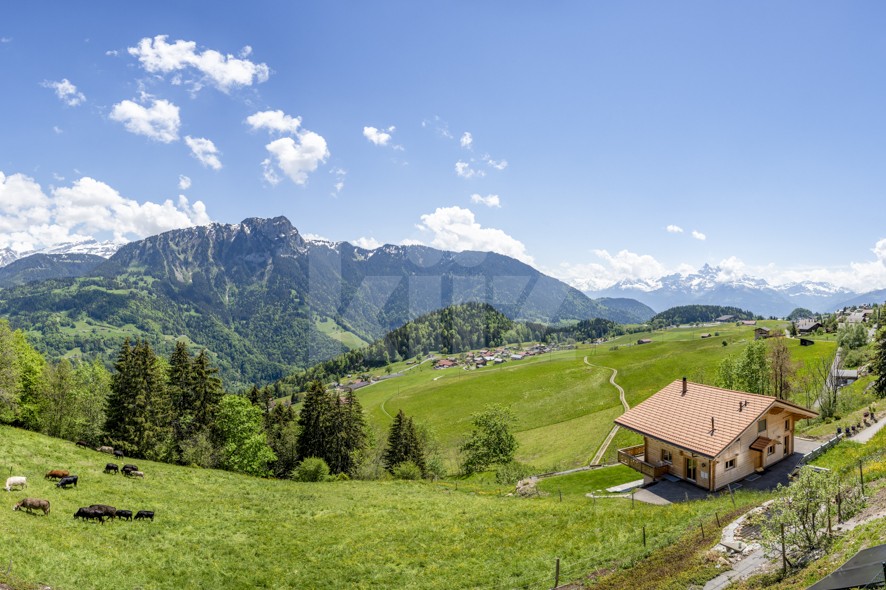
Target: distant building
[[644, 341], [725, 318], [859, 317], [807, 326], [749, 322], [846, 376], [706, 335], [806, 342], [445, 364], [709, 436], [761, 333]]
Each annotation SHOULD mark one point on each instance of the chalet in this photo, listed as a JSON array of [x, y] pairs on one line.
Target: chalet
[[807, 326], [644, 341], [859, 317], [845, 376], [709, 436], [749, 322], [352, 387], [761, 333], [445, 364], [725, 318]]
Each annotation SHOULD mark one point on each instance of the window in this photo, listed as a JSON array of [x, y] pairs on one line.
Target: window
[[787, 425], [666, 455], [730, 464], [761, 425], [770, 450]]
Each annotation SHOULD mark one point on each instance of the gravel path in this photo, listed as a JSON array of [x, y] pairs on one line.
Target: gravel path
[[621, 395]]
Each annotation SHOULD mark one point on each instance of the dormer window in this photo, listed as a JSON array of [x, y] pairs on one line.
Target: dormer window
[[761, 425]]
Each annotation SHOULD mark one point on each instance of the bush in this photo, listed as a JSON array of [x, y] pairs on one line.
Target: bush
[[407, 470], [311, 469], [512, 472]]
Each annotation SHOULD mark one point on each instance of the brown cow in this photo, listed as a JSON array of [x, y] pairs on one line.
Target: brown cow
[[30, 504], [57, 474]]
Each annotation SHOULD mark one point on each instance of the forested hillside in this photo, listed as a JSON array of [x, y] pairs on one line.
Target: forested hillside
[[691, 314]]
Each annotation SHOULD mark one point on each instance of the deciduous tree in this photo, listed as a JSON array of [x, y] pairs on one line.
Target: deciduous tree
[[491, 442]]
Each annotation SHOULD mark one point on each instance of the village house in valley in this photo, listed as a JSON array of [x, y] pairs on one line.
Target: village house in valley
[[709, 436]]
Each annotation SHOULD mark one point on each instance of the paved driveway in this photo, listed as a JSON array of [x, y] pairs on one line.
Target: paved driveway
[[668, 492]]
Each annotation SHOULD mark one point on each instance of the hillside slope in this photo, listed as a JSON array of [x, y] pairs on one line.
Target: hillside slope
[[220, 530]]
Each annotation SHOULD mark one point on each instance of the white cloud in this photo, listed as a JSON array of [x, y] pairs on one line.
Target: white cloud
[[367, 243], [274, 121], [379, 136], [295, 158], [246, 51], [5, 39], [205, 151], [674, 229], [160, 121], [456, 229], [223, 71], [498, 165], [112, 53], [698, 235], [30, 219], [466, 140], [439, 126], [58, 130], [184, 182], [66, 92], [488, 200], [411, 242], [612, 268], [464, 170], [339, 174]]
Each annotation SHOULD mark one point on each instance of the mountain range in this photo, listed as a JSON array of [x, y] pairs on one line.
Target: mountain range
[[712, 286], [263, 300]]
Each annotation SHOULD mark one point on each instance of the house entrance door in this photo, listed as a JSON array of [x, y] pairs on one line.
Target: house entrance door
[[691, 469]]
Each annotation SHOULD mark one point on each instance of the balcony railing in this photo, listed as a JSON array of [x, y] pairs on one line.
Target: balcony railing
[[634, 458]]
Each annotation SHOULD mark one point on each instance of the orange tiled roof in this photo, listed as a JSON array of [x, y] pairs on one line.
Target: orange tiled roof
[[685, 420]]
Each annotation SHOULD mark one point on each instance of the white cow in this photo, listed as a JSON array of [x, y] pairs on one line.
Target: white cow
[[16, 481]]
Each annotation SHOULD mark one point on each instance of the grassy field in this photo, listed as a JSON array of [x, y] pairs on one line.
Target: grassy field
[[330, 328], [563, 401], [221, 530]]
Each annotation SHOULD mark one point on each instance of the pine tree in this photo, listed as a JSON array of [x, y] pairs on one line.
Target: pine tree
[[403, 444], [315, 422], [179, 388], [138, 412], [206, 390], [349, 435]]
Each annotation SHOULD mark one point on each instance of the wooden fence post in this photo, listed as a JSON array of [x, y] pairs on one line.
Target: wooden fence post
[[717, 514], [701, 526], [557, 574], [861, 478], [644, 535], [731, 495], [839, 508]]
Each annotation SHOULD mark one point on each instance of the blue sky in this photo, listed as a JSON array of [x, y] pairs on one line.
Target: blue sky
[[598, 141]]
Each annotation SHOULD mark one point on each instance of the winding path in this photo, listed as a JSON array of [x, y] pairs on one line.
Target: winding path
[[621, 395]]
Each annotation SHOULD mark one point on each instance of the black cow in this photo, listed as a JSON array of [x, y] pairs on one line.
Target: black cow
[[83, 443], [143, 514], [90, 514], [118, 454], [107, 511], [129, 467], [124, 515], [64, 482], [111, 468]]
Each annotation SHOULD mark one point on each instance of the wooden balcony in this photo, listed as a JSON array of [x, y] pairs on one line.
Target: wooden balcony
[[633, 457]]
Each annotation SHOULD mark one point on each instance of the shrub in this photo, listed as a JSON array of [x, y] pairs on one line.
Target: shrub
[[407, 470], [311, 469], [512, 472]]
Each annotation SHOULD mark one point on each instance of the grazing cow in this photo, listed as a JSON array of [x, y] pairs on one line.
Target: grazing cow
[[129, 467], [144, 514], [134, 474], [124, 515], [57, 474], [118, 454], [64, 482], [83, 443], [108, 450], [90, 514], [30, 504], [107, 511], [111, 468], [16, 481]]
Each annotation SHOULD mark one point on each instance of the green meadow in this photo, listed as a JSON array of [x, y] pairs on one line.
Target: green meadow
[[215, 529], [563, 402]]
